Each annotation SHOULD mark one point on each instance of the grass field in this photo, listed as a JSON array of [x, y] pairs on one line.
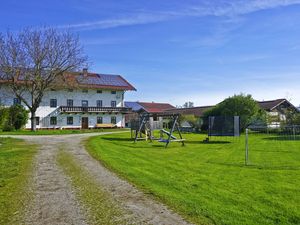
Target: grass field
[[15, 167], [209, 183], [59, 132]]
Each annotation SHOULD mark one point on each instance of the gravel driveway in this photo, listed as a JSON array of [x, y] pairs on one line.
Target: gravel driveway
[[54, 200]]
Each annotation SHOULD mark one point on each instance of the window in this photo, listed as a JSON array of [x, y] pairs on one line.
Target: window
[[17, 101], [113, 92], [99, 91], [113, 104], [113, 120], [53, 120], [69, 120], [70, 102], [99, 103], [84, 103], [53, 103], [85, 91], [99, 119], [37, 121]]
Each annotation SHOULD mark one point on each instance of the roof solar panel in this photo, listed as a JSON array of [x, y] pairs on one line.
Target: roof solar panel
[[102, 79]]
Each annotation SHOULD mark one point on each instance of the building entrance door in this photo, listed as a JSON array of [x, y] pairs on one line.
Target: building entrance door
[[84, 123]]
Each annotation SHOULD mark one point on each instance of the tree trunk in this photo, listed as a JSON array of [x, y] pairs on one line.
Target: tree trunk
[[33, 121]]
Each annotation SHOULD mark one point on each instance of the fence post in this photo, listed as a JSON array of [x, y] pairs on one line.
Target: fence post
[[246, 147], [294, 132]]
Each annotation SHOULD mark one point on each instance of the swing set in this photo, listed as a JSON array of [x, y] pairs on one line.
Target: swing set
[[143, 129]]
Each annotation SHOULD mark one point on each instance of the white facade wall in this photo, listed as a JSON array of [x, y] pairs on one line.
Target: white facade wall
[[77, 95], [62, 120]]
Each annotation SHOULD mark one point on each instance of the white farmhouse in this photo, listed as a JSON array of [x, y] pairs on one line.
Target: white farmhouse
[[88, 100]]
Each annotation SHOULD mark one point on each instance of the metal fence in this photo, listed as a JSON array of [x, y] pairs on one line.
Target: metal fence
[[273, 147]]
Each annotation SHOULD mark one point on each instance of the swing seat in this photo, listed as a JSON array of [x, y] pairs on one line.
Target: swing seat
[[163, 140], [168, 133], [175, 140]]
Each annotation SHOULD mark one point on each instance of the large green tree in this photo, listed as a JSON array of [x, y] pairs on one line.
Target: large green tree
[[239, 105]]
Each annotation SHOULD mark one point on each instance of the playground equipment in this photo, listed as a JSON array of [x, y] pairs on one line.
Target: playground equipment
[[223, 126], [143, 129]]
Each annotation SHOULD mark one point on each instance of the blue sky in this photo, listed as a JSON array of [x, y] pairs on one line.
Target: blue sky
[[177, 51]]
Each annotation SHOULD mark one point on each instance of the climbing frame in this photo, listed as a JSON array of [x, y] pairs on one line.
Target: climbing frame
[[143, 130]]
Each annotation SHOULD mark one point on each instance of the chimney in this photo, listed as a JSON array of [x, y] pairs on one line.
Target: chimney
[[85, 72]]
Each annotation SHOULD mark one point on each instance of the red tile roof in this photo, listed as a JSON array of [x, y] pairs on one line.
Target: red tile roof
[[152, 107]]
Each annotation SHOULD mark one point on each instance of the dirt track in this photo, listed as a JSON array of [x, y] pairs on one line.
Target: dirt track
[[54, 200]]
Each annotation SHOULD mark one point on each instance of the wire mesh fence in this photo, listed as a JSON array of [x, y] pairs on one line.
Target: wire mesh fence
[[224, 126], [273, 147]]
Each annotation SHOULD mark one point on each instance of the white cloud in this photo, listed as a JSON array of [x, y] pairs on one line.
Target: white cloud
[[104, 41], [117, 22], [240, 7], [205, 8]]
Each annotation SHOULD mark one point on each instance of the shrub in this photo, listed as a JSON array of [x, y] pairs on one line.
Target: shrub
[[18, 116], [8, 127], [4, 112], [295, 119], [239, 105]]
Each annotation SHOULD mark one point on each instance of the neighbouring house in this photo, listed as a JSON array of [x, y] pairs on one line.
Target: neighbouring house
[[87, 100], [148, 107], [278, 110]]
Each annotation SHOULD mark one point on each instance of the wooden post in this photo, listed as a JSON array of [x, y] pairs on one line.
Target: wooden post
[[140, 128], [179, 132], [171, 131], [150, 135]]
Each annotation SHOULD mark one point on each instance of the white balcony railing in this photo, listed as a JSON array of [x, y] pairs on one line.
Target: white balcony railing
[[92, 109]]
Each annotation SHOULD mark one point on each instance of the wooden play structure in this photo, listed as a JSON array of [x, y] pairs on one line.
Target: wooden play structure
[[143, 128]]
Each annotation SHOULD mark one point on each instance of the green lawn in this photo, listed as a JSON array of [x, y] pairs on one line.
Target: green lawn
[[208, 183], [15, 169], [59, 132]]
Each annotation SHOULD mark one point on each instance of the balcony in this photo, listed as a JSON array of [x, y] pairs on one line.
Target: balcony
[[81, 109]]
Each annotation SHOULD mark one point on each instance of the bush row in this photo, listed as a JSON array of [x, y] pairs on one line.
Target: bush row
[[13, 118]]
